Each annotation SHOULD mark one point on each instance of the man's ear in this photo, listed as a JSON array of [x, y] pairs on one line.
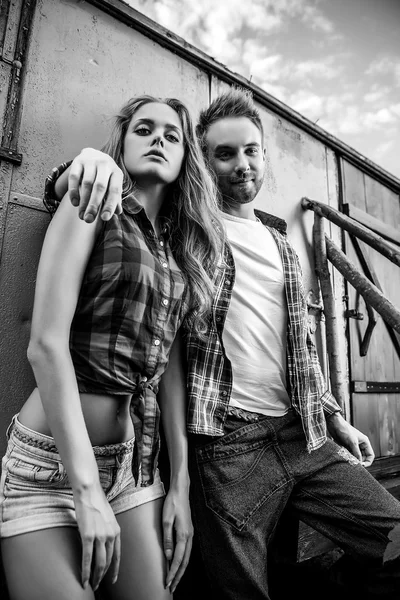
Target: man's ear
[[264, 153]]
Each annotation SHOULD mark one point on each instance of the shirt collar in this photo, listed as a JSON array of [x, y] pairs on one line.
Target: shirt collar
[[132, 206], [272, 221]]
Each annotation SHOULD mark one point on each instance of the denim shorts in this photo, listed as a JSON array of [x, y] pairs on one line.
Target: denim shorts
[[35, 492]]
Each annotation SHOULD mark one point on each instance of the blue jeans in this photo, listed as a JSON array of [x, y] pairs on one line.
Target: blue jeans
[[241, 482]]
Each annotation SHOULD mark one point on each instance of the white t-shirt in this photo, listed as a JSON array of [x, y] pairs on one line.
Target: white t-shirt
[[254, 334]]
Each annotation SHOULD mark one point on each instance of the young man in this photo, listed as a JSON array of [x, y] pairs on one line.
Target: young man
[[259, 409]]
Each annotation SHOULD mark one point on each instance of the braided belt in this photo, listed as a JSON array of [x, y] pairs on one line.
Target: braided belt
[[27, 439]]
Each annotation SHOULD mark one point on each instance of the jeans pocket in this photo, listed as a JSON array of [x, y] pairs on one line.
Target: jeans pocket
[[239, 476]]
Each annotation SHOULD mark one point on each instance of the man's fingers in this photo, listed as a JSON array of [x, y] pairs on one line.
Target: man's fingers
[[87, 555], [85, 189], [74, 181], [98, 193], [114, 196], [355, 450], [367, 452]]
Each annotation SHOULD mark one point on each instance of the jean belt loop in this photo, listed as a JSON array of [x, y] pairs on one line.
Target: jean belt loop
[[10, 427]]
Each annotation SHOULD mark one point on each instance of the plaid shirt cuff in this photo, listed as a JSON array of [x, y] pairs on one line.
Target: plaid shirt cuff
[[329, 403], [49, 199]]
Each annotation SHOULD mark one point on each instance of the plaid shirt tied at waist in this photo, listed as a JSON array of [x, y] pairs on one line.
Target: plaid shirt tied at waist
[[131, 304]]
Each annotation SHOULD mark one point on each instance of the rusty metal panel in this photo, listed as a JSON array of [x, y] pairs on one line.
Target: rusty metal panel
[[10, 12], [83, 64], [25, 225]]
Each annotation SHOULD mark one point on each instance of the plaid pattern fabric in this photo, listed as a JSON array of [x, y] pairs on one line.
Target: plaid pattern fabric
[[131, 304], [210, 371]]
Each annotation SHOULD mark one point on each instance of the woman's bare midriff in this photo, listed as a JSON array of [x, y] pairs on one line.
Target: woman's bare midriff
[[107, 417]]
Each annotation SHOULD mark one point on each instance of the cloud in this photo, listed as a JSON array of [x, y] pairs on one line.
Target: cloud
[[311, 16], [308, 104], [269, 68], [375, 120], [209, 24], [395, 109], [382, 149], [377, 93], [386, 65], [323, 69]]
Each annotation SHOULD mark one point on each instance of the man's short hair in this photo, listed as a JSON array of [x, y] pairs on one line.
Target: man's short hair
[[238, 102]]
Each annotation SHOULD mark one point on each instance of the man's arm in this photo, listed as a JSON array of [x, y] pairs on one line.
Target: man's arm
[[94, 182], [342, 432]]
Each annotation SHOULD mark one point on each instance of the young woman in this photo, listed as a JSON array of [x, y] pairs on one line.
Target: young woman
[[81, 500]]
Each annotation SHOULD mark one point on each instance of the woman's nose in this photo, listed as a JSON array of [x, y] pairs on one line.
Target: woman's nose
[[158, 141]]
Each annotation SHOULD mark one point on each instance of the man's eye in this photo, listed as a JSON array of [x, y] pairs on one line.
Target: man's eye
[[224, 156], [252, 151]]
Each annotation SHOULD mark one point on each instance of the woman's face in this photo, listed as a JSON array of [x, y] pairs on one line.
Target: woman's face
[[153, 145]]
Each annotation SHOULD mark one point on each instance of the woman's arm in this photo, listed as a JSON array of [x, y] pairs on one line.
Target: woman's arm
[[65, 253], [94, 182], [177, 524]]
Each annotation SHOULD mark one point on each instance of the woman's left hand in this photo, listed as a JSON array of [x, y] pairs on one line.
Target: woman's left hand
[[178, 534]]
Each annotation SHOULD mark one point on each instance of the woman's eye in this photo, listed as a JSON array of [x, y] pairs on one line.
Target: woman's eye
[[142, 130], [172, 137]]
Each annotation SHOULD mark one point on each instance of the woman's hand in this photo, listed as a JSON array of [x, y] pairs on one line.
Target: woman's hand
[[178, 534], [100, 535]]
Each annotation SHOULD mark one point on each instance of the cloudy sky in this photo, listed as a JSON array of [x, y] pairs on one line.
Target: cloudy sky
[[337, 62]]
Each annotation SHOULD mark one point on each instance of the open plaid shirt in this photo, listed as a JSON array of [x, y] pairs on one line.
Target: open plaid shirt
[[210, 371]]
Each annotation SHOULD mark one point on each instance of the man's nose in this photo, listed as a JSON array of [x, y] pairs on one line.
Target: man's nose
[[242, 165]]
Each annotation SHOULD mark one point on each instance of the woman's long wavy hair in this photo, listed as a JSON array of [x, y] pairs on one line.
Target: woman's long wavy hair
[[197, 233]]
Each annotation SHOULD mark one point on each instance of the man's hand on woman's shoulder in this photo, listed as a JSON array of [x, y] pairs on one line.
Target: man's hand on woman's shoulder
[[95, 184]]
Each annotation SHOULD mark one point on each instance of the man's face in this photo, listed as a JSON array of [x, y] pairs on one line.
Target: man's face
[[237, 156]]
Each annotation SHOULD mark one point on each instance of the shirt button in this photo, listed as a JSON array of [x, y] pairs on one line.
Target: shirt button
[[218, 319], [165, 302], [227, 282], [161, 243], [224, 394], [156, 342], [165, 265]]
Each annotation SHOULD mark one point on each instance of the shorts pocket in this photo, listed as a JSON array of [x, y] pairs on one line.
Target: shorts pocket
[[107, 477], [27, 469]]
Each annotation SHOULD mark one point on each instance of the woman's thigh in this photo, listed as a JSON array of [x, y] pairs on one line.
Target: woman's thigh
[[143, 566], [44, 565]]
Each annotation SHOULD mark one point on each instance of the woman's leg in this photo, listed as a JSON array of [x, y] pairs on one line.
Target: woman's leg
[[143, 565], [44, 565]]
